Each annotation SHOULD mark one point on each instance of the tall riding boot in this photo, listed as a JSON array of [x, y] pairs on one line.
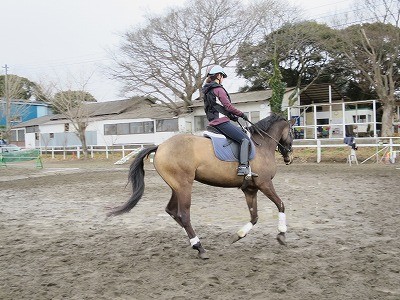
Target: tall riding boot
[[244, 168]]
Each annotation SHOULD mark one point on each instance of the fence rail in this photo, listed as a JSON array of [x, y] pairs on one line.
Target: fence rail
[[77, 150], [390, 144]]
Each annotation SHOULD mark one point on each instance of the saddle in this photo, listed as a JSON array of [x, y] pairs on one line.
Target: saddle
[[224, 148]]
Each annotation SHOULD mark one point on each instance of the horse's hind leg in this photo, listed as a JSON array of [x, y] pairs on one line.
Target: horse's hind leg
[[268, 190], [179, 209], [172, 208], [251, 200]]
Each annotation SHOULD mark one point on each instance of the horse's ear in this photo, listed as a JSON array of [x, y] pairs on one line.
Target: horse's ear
[[292, 121]]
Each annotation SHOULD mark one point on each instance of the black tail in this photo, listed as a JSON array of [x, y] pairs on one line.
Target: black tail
[[136, 177]]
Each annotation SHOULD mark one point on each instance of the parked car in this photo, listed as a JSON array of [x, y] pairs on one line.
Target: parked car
[[9, 148]]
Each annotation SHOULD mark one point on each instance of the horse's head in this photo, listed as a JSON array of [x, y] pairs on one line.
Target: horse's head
[[278, 129], [285, 143]]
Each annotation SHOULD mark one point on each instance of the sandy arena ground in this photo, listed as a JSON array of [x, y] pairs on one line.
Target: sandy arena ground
[[55, 242]]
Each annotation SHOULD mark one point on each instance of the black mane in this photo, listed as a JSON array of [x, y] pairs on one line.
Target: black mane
[[266, 123]]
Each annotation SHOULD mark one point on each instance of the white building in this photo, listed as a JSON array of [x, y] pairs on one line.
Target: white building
[[321, 112], [133, 121]]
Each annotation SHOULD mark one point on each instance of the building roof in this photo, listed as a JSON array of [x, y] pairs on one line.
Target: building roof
[[319, 93], [25, 102], [34, 122], [253, 96], [133, 108]]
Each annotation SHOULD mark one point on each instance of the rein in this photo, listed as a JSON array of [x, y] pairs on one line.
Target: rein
[[262, 133]]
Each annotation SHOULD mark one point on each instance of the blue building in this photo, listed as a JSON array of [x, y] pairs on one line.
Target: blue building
[[22, 111]]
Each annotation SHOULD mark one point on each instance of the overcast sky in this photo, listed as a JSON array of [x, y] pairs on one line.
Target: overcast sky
[[46, 40]]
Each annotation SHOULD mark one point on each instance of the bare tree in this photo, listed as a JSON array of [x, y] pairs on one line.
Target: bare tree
[[373, 49], [168, 57], [72, 105]]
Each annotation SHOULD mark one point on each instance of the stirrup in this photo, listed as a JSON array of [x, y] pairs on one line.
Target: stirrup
[[246, 171]]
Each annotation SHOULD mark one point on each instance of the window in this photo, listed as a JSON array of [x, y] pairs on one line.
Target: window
[[136, 127], [254, 116], [66, 127], [16, 119], [123, 128], [13, 137], [110, 129], [141, 127], [359, 118], [200, 123], [32, 129], [168, 125], [51, 135], [322, 121], [36, 136], [129, 128], [21, 135], [148, 127]]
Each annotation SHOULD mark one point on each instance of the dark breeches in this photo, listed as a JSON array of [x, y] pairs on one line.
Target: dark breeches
[[231, 131]]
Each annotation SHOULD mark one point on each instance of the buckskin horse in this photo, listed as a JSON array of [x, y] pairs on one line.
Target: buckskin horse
[[184, 158]]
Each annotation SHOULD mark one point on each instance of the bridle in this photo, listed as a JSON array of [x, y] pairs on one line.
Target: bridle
[[262, 133]]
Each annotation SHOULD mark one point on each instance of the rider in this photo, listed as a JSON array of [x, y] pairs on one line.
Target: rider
[[219, 111]]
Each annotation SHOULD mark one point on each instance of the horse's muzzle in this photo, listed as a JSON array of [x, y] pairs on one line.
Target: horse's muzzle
[[288, 159]]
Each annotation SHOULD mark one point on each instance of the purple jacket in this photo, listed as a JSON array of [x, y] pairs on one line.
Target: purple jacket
[[223, 99]]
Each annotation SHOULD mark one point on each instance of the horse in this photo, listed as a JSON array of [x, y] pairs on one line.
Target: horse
[[184, 158]]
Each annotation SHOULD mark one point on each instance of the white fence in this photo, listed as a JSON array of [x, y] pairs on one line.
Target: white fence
[[77, 150], [389, 146]]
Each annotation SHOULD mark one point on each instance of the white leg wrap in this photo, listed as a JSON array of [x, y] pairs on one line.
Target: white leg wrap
[[194, 241], [282, 222], [245, 230]]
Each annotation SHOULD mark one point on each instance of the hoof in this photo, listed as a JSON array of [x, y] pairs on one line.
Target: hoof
[[203, 255], [281, 238], [235, 238]]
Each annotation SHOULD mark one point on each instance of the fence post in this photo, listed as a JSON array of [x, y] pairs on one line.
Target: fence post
[[91, 152], [318, 151], [392, 157], [52, 152], [78, 152], [107, 151]]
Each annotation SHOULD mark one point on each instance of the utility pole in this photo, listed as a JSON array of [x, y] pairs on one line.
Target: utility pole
[[7, 104]]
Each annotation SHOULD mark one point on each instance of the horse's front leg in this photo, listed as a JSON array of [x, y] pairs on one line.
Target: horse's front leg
[[268, 190], [251, 200]]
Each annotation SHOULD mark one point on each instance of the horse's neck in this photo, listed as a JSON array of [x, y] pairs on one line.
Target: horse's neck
[[273, 136]]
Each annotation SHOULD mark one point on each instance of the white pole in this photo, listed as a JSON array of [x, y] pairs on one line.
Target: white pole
[[318, 151], [374, 110], [344, 119], [315, 121], [330, 111]]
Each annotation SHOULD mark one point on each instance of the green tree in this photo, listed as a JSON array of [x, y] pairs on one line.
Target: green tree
[[19, 88], [300, 50], [278, 88], [66, 100]]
